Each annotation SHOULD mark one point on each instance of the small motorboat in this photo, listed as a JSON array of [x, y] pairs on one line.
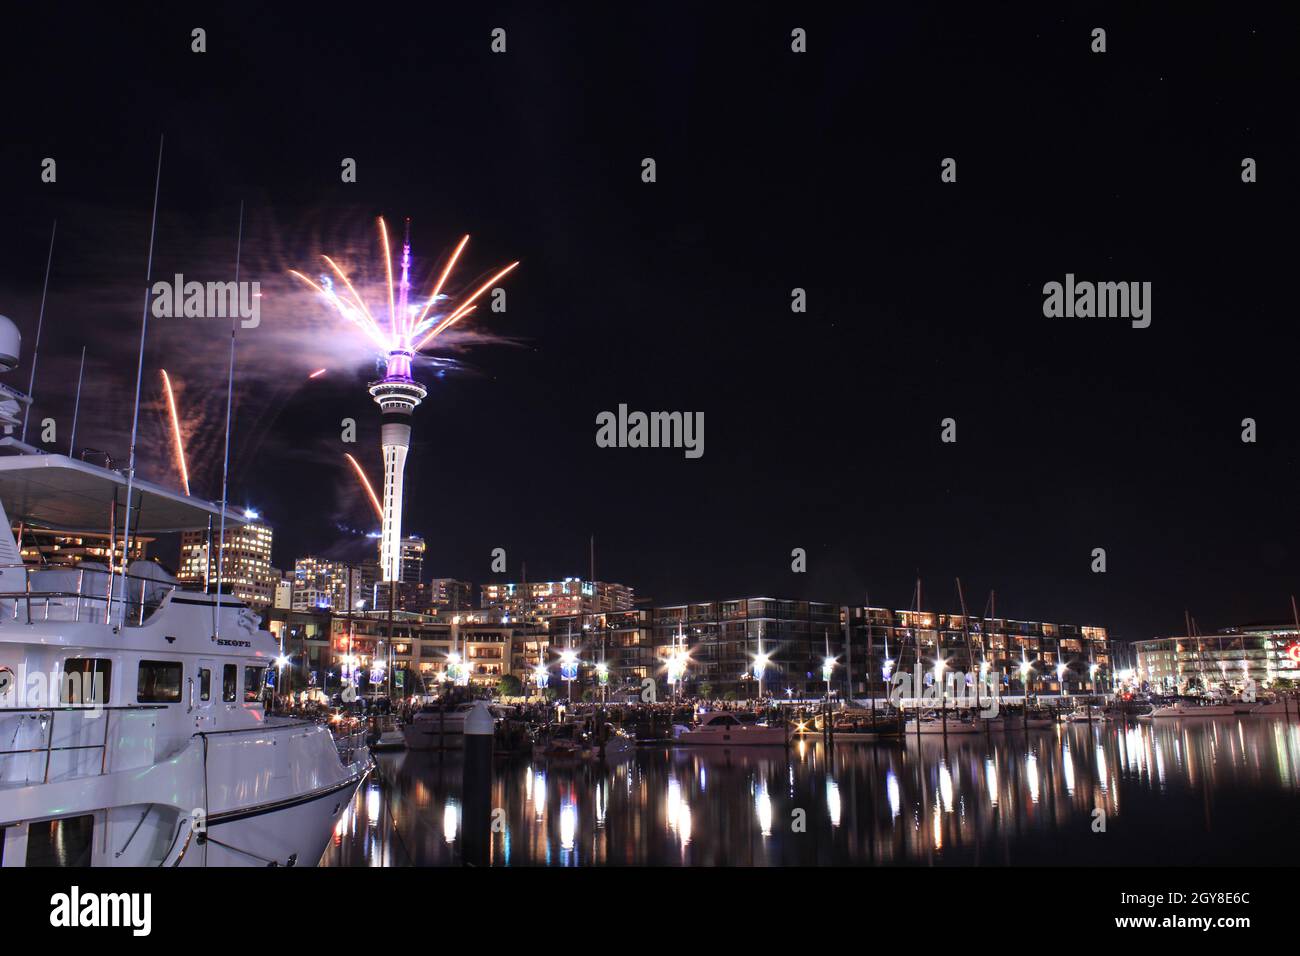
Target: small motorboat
[[1085, 716], [559, 741], [432, 728], [385, 733], [1273, 708], [725, 729], [1038, 718]]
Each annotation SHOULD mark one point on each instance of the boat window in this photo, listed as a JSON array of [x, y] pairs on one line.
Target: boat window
[[205, 684], [159, 682], [65, 842], [722, 721], [229, 678], [86, 680], [253, 677]]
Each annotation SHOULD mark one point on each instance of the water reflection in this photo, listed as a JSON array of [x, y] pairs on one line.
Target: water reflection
[[1193, 791]]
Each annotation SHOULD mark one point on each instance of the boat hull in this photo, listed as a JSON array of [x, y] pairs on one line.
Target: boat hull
[[296, 834], [749, 736]]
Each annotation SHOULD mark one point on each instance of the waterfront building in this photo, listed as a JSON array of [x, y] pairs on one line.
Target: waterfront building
[[623, 641], [742, 646], [247, 574], [1264, 653], [422, 648], [451, 594], [881, 640], [546, 599]]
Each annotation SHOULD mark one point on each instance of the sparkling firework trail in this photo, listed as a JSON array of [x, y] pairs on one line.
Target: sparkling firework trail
[[412, 325], [379, 511], [176, 431], [318, 373]]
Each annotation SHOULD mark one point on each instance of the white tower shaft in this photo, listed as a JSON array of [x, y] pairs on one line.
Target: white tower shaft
[[396, 439]]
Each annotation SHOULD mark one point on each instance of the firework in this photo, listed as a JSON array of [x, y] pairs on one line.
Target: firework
[[411, 325], [374, 500], [176, 431]]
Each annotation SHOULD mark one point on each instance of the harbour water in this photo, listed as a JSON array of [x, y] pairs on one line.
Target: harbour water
[[1179, 791]]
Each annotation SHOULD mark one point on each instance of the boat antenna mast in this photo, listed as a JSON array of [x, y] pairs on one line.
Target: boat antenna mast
[[225, 461], [139, 374]]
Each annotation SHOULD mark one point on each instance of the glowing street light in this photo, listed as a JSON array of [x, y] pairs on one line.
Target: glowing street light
[[569, 668], [1026, 669], [761, 660], [541, 676]]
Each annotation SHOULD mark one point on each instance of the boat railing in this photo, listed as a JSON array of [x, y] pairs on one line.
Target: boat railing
[[32, 594], [349, 745], [37, 746]]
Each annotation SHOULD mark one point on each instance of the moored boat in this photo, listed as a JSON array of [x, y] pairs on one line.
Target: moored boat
[[723, 729], [1185, 709], [153, 743]]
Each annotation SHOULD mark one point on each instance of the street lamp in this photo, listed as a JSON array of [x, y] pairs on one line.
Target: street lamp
[[761, 660], [1061, 668], [568, 669]]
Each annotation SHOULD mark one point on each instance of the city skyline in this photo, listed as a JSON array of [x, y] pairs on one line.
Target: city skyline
[[1071, 434]]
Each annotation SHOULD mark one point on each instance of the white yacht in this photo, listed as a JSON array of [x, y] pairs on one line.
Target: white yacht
[[1185, 709], [432, 729], [133, 727], [937, 724], [727, 730]]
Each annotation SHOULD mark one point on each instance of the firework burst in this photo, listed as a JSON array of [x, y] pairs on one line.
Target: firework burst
[[410, 325]]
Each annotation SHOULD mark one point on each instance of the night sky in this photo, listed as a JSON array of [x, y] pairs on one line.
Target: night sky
[[775, 170]]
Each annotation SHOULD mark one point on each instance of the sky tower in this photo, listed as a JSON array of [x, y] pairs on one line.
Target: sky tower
[[397, 394], [411, 327]]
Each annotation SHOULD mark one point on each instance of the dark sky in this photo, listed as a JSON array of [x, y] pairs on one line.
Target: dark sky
[[775, 171]]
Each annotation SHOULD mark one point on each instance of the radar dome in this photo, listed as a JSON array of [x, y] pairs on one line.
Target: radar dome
[[11, 341]]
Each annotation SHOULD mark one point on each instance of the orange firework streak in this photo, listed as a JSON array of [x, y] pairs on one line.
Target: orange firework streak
[[465, 306], [176, 431], [374, 500]]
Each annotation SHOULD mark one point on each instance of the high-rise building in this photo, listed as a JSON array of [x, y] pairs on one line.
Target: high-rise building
[[247, 573], [41, 546], [412, 559], [543, 599], [330, 578]]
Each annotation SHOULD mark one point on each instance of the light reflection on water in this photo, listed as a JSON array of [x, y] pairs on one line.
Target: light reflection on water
[[1178, 791]]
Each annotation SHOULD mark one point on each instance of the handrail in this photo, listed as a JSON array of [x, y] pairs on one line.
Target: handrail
[[49, 749], [139, 608], [80, 707]]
